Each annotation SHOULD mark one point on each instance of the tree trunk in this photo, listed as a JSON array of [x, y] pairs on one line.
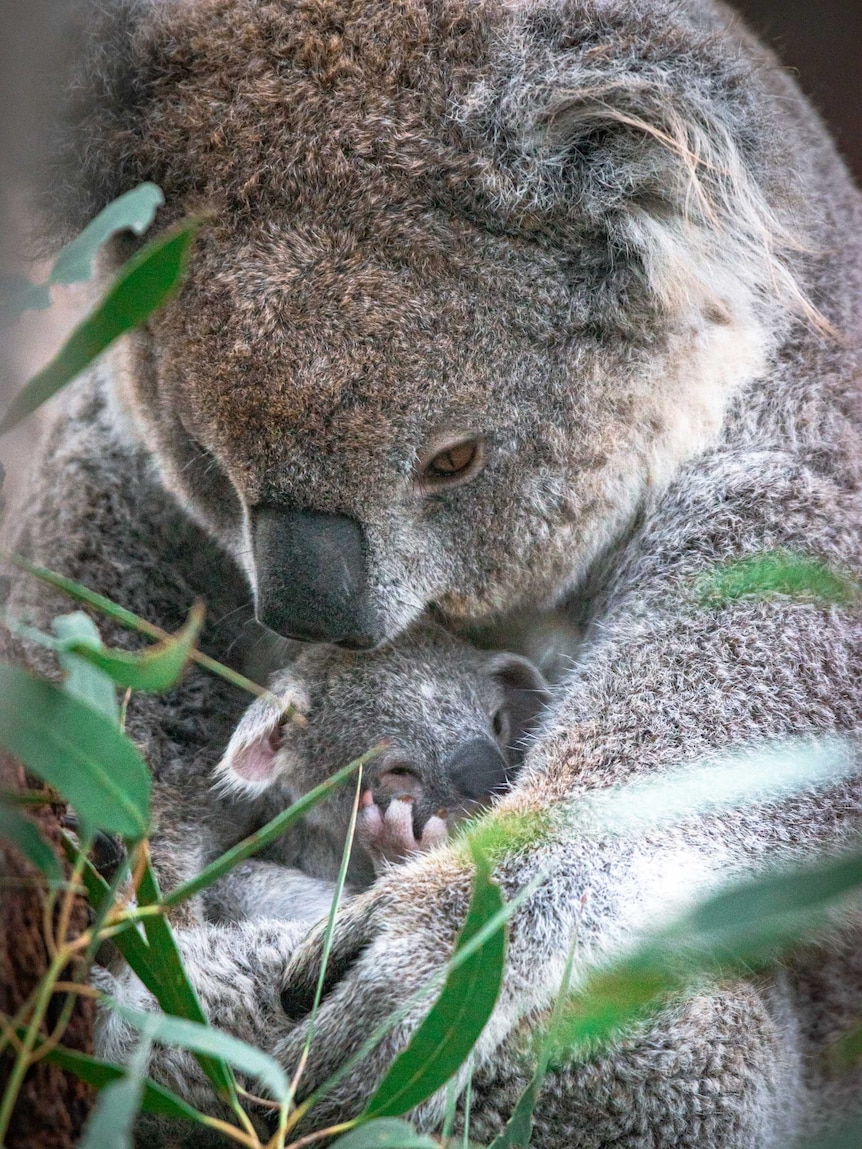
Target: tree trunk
[[52, 1105]]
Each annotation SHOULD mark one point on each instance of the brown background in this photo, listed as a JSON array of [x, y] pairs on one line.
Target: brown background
[[822, 41]]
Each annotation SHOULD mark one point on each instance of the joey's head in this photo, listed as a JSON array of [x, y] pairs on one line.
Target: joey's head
[[480, 278], [453, 723]]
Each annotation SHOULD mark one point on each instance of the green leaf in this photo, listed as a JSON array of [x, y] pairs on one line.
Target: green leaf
[[171, 985], [134, 211], [145, 283], [156, 1099], [130, 943], [766, 773], [156, 961], [77, 751], [266, 834], [778, 572], [83, 680], [743, 927], [847, 1052], [446, 1037], [110, 1124], [18, 294], [24, 836], [204, 1039], [128, 619], [385, 1133], [154, 669], [518, 1131], [847, 1136]]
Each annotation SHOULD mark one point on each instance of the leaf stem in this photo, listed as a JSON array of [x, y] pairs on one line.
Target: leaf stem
[[132, 621], [22, 1061]]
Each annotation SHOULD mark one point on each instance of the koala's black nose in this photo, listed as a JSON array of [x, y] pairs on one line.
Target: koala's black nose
[[478, 770], [311, 577]]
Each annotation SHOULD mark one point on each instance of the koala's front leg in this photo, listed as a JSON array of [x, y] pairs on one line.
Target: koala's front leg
[[760, 674], [724, 1066], [257, 889], [237, 971]]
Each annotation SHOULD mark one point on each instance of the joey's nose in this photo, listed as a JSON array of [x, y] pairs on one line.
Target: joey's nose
[[312, 577], [478, 770]]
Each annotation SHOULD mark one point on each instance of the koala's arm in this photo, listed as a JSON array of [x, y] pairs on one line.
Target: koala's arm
[[94, 511], [667, 681], [259, 888], [236, 971]]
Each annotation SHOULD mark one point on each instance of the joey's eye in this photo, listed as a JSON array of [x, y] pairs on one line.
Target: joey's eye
[[502, 726], [453, 464]]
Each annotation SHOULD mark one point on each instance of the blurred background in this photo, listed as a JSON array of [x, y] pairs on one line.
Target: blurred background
[[821, 40]]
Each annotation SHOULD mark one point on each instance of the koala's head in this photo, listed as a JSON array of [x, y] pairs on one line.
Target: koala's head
[[480, 278], [453, 722]]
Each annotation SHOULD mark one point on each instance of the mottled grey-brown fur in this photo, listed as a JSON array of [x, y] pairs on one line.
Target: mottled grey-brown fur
[[611, 238]]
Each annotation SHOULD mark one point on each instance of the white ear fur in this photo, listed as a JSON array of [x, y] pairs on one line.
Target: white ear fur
[[249, 763], [254, 758]]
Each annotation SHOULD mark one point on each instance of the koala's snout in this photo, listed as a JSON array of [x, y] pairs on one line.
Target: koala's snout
[[311, 577], [478, 770]]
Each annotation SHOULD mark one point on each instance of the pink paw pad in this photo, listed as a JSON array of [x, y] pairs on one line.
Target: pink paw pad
[[388, 834]]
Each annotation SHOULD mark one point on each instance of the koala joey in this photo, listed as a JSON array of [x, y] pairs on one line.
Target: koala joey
[[452, 724]]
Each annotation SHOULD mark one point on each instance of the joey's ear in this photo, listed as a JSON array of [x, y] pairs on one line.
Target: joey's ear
[[526, 696], [259, 750]]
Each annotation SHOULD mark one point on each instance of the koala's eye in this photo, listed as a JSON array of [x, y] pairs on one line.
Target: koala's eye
[[453, 464], [502, 726]]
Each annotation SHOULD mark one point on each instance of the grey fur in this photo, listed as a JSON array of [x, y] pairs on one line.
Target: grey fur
[[610, 238], [432, 703]]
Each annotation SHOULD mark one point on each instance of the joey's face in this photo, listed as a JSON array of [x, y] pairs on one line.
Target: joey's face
[[452, 724], [456, 316]]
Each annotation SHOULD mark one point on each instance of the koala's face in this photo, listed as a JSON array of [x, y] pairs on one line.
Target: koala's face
[[455, 317], [452, 722]]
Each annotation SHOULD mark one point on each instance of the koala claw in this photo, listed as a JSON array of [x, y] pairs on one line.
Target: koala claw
[[389, 836], [434, 831]]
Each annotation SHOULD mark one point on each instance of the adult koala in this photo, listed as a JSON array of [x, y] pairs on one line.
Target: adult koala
[[503, 306]]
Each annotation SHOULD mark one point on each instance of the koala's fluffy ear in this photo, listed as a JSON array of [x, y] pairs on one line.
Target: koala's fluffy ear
[[258, 752], [526, 697], [658, 143]]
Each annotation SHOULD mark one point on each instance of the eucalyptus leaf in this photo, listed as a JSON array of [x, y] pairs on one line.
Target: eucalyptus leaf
[[848, 1136], [778, 572], [169, 982], [16, 828], [154, 669], [155, 1098], [205, 1039], [18, 294], [84, 680], [129, 942], [846, 1053], [446, 1037], [77, 751], [144, 284], [112, 1120], [766, 773], [133, 211], [743, 927], [385, 1133]]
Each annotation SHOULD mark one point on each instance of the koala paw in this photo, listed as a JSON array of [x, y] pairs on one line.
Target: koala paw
[[389, 835], [388, 944]]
